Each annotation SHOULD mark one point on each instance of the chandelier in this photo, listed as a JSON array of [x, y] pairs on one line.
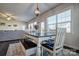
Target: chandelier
[[37, 11]]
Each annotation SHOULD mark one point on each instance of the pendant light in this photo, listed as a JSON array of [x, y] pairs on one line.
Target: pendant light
[[37, 11]]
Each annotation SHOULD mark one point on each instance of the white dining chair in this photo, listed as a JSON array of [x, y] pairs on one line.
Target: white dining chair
[[58, 42]]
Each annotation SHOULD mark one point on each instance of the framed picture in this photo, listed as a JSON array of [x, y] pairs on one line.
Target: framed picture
[[2, 24], [15, 25], [9, 25]]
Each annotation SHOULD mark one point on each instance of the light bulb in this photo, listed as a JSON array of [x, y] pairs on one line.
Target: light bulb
[[9, 18]]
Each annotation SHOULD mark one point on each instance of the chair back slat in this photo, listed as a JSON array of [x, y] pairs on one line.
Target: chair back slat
[[60, 37]]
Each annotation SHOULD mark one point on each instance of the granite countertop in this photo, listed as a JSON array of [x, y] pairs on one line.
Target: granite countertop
[[11, 35]]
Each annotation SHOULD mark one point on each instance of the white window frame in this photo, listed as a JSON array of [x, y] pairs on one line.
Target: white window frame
[[61, 18]]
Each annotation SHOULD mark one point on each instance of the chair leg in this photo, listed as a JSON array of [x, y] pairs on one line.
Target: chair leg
[[54, 54], [42, 50], [62, 52]]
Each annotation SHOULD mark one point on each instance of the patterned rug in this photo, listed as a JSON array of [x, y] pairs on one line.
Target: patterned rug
[[66, 52]]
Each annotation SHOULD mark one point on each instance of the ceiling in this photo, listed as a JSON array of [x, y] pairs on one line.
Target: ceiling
[[24, 11]]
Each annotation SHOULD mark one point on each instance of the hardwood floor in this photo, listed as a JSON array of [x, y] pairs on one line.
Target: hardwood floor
[[4, 47]]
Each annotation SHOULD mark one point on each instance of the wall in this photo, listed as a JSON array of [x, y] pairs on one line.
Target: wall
[[72, 39], [20, 25]]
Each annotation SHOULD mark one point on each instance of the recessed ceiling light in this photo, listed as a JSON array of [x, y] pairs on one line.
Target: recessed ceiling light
[[9, 18]]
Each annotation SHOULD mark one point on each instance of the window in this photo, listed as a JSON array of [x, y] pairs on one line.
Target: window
[[35, 23], [63, 21], [23, 27], [51, 21], [42, 26], [31, 26]]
